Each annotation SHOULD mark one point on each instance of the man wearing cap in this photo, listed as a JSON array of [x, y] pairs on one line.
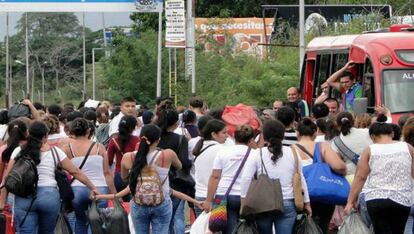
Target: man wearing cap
[[344, 81]]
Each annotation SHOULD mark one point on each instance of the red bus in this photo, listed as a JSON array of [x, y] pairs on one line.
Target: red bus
[[384, 66]]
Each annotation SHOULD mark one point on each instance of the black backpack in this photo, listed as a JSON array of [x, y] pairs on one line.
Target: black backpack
[[23, 177]]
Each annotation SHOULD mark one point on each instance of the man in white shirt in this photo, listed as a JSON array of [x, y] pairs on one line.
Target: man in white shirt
[[127, 108]]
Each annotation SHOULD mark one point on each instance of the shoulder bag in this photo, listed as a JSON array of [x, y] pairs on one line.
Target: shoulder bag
[[218, 215], [264, 195], [345, 151], [324, 185], [297, 183], [179, 176]]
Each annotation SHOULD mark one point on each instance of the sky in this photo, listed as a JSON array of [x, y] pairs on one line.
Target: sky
[[92, 20]]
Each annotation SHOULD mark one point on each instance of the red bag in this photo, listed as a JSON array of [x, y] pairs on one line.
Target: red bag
[[6, 216], [240, 114]]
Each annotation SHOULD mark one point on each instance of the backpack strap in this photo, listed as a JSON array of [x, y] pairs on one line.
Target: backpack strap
[[301, 147], [295, 156], [160, 153], [345, 150], [201, 151]]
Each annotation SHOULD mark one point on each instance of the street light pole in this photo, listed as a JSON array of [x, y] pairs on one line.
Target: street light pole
[[301, 34], [43, 85], [93, 73]]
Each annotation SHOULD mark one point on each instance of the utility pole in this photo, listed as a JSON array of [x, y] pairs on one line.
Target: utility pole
[[104, 36], [159, 54], [27, 60], [7, 63], [84, 59], [301, 34], [190, 48]]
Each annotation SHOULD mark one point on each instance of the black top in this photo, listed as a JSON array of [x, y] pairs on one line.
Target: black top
[[170, 140]]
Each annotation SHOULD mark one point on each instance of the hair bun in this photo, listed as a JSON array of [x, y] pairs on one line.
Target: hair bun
[[307, 121], [382, 118]]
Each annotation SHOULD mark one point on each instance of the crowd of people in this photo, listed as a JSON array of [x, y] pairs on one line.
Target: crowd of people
[[192, 154]]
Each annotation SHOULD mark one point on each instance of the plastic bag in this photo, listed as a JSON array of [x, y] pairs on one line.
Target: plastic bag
[[240, 114], [131, 224], [200, 225], [245, 227], [62, 225], [353, 224], [306, 225], [108, 220]]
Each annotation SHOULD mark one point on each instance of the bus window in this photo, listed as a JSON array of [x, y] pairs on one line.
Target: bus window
[[339, 61], [368, 85], [321, 72]]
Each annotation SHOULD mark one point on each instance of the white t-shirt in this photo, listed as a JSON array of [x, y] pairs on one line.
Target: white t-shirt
[[113, 126], [228, 160], [203, 166], [46, 167], [283, 170], [357, 140]]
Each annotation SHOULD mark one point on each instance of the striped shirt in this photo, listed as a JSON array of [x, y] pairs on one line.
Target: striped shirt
[[290, 137]]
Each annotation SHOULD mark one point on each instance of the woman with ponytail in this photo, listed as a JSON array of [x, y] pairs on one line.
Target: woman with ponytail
[[213, 136], [121, 144], [280, 164], [42, 208], [307, 149], [225, 166], [17, 132], [356, 139], [158, 217]]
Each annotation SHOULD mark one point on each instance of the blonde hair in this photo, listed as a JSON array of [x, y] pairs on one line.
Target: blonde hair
[[363, 120]]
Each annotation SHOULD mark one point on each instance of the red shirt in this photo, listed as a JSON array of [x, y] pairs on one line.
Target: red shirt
[[113, 151]]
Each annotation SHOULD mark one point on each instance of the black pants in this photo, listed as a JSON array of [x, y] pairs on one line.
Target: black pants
[[322, 214], [387, 216]]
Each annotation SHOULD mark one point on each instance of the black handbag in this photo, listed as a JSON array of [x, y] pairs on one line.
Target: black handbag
[[179, 176], [65, 190]]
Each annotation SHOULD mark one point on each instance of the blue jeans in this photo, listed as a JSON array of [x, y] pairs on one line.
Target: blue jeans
[[81, 204], [364, 211], [409, 226], [283, 223], [43, 214], [158, 217], [177, 224], [233, 212]]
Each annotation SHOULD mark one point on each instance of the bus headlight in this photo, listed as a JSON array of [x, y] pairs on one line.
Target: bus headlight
[[406, 55]]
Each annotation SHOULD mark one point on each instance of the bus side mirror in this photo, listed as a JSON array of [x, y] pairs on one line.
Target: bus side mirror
[[360, 105]]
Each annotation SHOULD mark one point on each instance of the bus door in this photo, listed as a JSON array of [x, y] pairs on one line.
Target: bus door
[[368, 85]]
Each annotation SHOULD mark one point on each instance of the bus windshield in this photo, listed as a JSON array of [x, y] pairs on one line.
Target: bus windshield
[[398, 89]]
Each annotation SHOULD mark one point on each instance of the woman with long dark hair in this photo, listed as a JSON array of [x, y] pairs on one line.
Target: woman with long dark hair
[[43, 213], [167, 120], [17, 132], [213, 136], [96, 168], [122, 143], [159, 216]]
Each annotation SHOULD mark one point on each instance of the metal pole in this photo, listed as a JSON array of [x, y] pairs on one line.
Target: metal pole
[[27, 59], [104, 36], [84, 59], [43, 85], [11, 82], [7, 62], [175, 77], [159, 54], [33, 79], [301, 34], [190, 48], [93, 73]]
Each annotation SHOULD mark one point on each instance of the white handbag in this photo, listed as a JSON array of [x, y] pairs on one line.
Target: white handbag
[[200, 225]]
